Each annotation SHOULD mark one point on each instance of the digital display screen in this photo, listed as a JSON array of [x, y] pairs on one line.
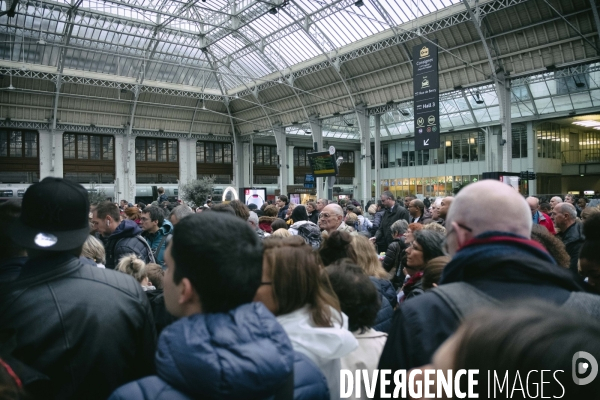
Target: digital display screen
[[322, 164], [309, 181], [256, 196]]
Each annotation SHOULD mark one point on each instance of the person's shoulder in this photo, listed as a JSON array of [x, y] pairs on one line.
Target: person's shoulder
[[148, 388], [113, 284]]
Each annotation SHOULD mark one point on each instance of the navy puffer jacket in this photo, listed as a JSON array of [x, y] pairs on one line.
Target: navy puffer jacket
[[383, 322], [243, 354], [126, 239]]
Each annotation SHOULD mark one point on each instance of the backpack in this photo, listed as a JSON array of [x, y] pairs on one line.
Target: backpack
[[311, 234]]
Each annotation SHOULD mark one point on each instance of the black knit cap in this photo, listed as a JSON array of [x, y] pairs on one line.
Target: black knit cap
[[54, 216]]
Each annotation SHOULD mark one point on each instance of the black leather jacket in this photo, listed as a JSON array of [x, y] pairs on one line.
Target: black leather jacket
[[88, 329]]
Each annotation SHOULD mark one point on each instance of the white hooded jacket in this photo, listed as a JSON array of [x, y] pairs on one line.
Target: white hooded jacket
[[324, 346]]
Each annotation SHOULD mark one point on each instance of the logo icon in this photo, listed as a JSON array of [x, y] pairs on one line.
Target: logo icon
[[45, 239], [424, 52], [420, 121], [425, 83], [582, 367], [431, 120]]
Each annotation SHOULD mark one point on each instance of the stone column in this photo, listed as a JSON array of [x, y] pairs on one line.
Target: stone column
[[51, 153]]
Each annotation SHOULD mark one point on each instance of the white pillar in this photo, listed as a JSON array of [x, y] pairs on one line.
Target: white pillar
[[531, 156], [125, 167], [187, 161], [317, 137], [279, 133], [365, 149], [290, 169], [51, 153], [377, 154]]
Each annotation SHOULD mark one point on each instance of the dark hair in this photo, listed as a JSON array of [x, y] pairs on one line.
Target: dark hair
[[388, 194], [299, 214], [296, 279], [240, 209], [433, 271], [419, 204], [554, 245], [160, 190], [538, 336], [431, 243], [155, 274], [359, 298], [278, 224], [284, 198], [155, 213], [141, 205], [9, 214], [221, 207], [270, 211], [591, 230], [545, 207], [336, 246], [225, 273], [108, 208]]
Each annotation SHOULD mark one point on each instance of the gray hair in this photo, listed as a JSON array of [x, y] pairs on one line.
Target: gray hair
[[181, 211], [253, 218], [568, 208], [399, 227]]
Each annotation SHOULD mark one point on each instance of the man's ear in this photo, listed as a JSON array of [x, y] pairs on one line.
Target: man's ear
[[188, 297], [462, 235]]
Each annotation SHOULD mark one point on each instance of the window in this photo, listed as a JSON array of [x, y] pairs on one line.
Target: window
[[210, 152], [347, 155], [156, 150], [301, 158], [87, 147], [219, 153], [18, 144], [200, 152], [519, 141], [265, 155], [227, 157]]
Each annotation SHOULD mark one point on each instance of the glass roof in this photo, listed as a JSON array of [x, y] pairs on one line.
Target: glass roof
[[569, 89], [185, 42]]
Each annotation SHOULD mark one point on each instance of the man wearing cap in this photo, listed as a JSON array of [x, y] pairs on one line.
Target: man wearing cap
[[88, 329]]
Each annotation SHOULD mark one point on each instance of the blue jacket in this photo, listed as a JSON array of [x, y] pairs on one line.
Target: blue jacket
[[243, 354], [154, 239], [123, 241]]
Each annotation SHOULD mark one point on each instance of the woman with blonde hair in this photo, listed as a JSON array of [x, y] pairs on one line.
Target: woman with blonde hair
[[94, 250], [132, 265], [367, 260], [295, 290]]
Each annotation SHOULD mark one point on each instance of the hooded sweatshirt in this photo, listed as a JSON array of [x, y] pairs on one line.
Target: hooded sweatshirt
[[324, 346], [242, 354]]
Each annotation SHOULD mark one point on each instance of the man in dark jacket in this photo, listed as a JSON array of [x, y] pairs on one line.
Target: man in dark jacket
[[571, 232], [223, 346], [162, 196], [120, 239], [157, 230], [12, 256], [493, 258], [394, 212], [88, 329], [282, 205]]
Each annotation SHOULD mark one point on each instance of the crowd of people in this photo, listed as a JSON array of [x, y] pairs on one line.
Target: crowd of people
[[229, 301]]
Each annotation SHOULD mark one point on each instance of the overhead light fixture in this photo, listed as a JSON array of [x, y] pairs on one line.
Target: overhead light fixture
[[458, 87], [295, 123], [273, 10], [551, 67], [478, 98], [572, 113], [448, 143], [210, 134], [359, 3], [578, 83], [472, 140], [336, 113], [307, 132], [92, 125], [389, 103], [256, 131], [405, 112], [587, 123]]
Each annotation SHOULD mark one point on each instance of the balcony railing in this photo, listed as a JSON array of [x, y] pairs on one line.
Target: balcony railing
[[580, 156]]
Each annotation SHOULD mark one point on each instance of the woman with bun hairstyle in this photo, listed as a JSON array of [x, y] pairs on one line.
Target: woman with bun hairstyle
[[132, 265]]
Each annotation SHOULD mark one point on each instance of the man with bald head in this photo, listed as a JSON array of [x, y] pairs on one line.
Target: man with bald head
[[331, 219], [488, 232], [564, 216], [444, 207], [555, 200], [538, 216]]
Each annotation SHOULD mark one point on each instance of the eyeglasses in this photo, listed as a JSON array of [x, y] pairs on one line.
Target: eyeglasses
[[448, 232], [325, 215]]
